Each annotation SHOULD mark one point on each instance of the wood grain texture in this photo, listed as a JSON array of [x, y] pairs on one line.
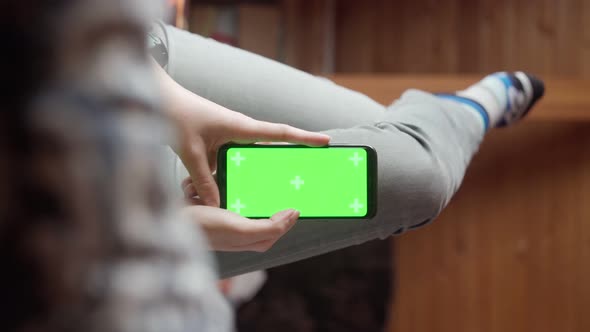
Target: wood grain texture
[[305, 34], [512, 251], [259, 29], [548, 37]]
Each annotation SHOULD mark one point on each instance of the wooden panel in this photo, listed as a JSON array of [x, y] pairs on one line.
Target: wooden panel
[[565, 99], [259, 29], [463, 36], [355, 36], [512, 251], [306, 33]]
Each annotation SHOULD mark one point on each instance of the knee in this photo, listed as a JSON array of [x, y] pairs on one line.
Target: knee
[[412, 193]]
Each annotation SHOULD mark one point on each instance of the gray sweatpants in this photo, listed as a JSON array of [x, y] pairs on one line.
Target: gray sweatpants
[[424, 143]]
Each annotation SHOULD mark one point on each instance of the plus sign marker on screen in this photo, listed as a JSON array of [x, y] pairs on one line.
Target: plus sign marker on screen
[[326, 182]]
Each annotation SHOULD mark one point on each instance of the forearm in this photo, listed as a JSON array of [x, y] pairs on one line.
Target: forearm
[[262, 88]]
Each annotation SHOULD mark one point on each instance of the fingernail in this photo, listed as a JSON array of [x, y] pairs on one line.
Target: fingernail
[[294, 214], [289, 213], [286, 214]]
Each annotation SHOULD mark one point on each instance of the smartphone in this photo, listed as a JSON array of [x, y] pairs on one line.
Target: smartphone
[[329, 182]]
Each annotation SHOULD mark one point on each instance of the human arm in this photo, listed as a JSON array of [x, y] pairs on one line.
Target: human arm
[[203, 126]]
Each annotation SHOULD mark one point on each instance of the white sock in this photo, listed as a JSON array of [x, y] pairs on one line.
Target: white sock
[[491, 94]]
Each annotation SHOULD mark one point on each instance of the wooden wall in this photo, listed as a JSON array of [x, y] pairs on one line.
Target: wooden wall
[[439, 36], [463, 36], [512, 251]]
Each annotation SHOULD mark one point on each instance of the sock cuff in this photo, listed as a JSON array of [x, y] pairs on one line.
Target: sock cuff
[[472, 104]]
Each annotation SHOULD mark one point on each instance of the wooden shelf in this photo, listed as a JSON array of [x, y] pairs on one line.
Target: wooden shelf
[[564, 100]]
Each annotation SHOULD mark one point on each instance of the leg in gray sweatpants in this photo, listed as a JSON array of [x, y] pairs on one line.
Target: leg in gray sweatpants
[[423, 143]]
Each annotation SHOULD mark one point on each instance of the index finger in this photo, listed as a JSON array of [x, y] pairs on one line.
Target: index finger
[[278, 132]]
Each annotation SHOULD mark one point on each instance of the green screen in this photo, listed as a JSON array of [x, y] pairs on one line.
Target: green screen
[[319, 182]]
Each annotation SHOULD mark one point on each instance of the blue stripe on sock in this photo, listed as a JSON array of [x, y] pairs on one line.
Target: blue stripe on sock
[[507, 83], [475, 105]]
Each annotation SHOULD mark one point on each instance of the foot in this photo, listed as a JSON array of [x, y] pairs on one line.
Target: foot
[[502, 98]]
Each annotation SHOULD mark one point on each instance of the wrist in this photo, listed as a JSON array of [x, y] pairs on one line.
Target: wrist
[[172, 95]]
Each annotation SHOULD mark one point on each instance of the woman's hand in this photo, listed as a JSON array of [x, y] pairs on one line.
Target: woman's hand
[[228, 231], [204, 126]]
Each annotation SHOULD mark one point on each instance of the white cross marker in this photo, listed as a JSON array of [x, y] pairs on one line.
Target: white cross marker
[[238, 158], [237, 206], [356, 205], [356, 159], [297, 182]]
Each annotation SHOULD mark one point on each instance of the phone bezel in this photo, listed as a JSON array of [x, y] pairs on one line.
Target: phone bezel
[[371, 174]]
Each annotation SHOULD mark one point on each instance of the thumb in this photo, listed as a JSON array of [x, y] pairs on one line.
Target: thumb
[[281, 222], [202, 179]]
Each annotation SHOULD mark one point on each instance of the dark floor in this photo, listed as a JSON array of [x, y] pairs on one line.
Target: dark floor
[[347, 290]]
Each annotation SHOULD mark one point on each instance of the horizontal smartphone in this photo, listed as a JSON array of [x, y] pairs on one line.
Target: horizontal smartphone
[[334, 181]]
